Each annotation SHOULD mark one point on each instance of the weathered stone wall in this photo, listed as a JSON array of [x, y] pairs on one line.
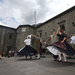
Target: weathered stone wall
[[7, 44], [21, 36], [67, 19]]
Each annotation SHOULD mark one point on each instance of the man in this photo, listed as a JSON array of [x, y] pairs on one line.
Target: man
[[37, 45]]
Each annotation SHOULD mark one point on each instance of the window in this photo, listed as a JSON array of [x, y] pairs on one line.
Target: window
[[46, 33], [62, 27], [23, 29], [40, 34], [10, 36]]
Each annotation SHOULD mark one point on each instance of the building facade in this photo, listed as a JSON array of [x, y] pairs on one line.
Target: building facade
[[11, 38], [7, 38]]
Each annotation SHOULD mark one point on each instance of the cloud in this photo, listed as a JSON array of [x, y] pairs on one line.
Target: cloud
[[17, 12]]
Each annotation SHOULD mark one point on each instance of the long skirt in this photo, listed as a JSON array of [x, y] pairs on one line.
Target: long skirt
[[64, 47], [27, 50], [52, 49]]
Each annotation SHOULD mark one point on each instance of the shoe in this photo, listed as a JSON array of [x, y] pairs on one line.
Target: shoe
[[38, 58], [59, 60]]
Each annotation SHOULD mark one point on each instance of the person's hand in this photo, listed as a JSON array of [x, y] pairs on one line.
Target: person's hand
[[62, 41], [45, 43], [58, 28], [31, 34]]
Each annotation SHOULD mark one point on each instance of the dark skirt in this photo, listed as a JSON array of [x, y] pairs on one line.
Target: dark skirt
[[64, 47], [43, 50], [40, 51], [27, 50]]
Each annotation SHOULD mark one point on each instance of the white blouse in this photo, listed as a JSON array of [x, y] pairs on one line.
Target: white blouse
[[27, 41], [72, 40]]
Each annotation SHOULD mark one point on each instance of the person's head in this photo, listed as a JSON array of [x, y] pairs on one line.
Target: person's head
[[60, 32], [37, 35], [40, 40], [54, 32], [28, 37], [43, 40]]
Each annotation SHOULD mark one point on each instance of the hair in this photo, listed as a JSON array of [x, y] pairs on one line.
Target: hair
[[28, 37], [37, 35], [43, 40]]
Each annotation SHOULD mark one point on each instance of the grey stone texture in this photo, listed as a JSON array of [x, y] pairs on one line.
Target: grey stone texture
[[7, 39]]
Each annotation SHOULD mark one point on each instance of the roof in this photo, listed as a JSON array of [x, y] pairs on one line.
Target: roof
[[7, 27], [26, 26]]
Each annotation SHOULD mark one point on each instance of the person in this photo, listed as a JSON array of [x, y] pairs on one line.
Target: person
[[73, 40], [62, 46], [37, 45], [27, 49], [53, 38], [15, 53], [40, 48], [0, 55], [43, 49], [9, 54]]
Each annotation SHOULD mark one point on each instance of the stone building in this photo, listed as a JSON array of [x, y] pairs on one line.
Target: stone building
[[21, 34], [11, 38], [65, 20], [7, 38]]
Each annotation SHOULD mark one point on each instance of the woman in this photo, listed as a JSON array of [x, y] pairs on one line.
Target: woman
[[63, 46], [27, 50], [53, 38]]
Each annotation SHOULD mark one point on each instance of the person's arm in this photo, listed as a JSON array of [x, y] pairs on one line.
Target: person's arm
[[65, 37], [47, 40], [58, 30], [24, 43], [63, 40], [33, 35]]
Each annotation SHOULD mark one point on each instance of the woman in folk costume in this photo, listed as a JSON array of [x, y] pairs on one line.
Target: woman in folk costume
[[37, 45], [53, 38], [27, 50], [73, 40], [62, 46]]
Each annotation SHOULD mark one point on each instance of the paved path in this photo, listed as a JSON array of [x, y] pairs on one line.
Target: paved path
[[44, 66]]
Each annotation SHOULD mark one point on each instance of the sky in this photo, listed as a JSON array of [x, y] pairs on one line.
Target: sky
[[21, 12]]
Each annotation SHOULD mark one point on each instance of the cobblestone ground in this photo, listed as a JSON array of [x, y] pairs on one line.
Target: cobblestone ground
[[44, 66]]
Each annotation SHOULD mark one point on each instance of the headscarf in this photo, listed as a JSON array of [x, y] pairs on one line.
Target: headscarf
[[29, 36], [61, 31]]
